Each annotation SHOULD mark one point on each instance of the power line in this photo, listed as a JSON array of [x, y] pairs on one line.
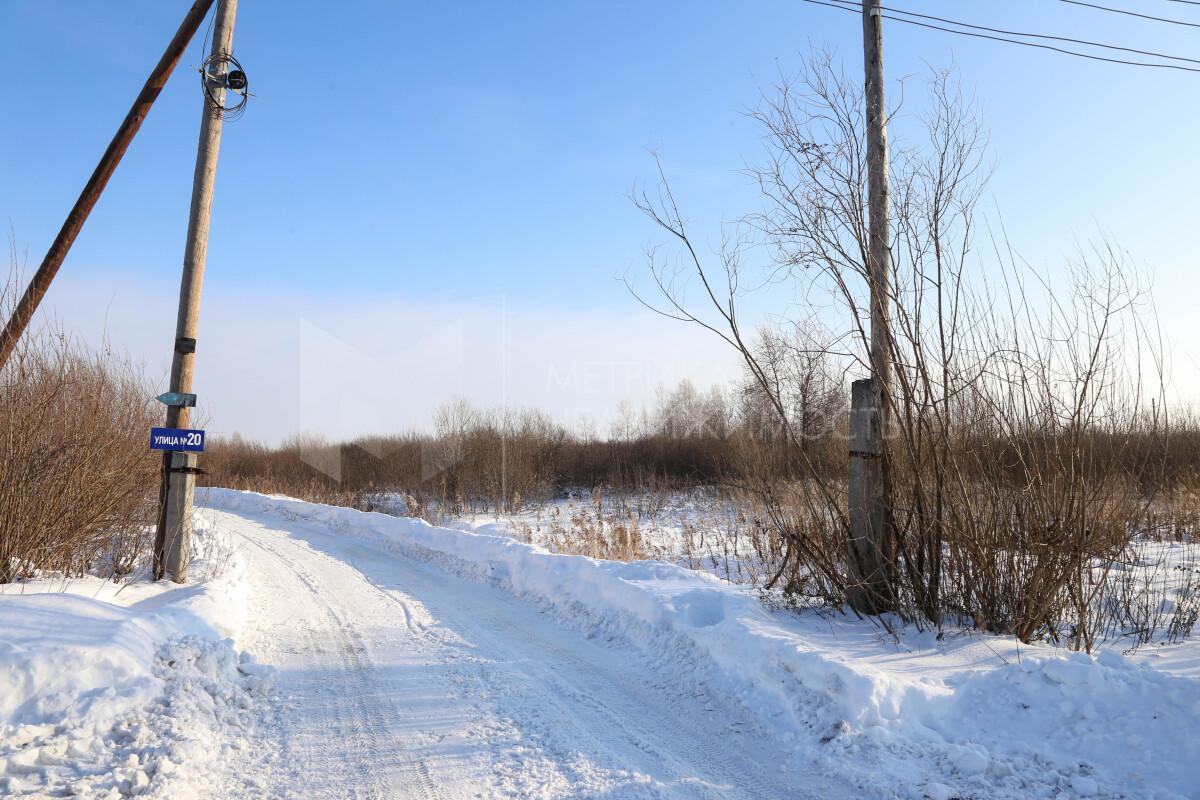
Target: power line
[[1133, 13], [855, 6], [990, 37]]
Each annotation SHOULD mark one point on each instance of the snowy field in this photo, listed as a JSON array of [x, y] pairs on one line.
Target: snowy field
[[701, 529], [331, 653], [1150, 594]]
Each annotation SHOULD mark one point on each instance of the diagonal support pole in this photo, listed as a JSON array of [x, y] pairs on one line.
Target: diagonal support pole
[[32, 298]]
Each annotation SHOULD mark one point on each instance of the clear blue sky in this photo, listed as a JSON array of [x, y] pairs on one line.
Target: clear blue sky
[[423, 160]]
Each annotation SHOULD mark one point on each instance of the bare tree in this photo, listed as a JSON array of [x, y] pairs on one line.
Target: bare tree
[[1004, 393]]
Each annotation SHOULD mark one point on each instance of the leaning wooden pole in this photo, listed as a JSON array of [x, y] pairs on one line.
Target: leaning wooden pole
[[872, 549], [172, 541], [29, 302]]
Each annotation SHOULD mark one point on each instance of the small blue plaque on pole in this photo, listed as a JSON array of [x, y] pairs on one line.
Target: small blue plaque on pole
[[181, 399], [179, 440]]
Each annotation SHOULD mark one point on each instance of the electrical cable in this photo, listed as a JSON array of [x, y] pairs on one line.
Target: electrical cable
[[855, 6], [1077, 54], [1132, 13]]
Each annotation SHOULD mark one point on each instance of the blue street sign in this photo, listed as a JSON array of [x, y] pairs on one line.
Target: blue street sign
[[183, 399], [177, 439]]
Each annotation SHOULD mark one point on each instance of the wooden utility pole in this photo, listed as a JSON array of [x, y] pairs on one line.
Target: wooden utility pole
[[29, 302], [872, 549], [173, 541]]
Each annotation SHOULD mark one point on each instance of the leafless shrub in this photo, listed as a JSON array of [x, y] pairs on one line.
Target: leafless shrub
[[77, 480]]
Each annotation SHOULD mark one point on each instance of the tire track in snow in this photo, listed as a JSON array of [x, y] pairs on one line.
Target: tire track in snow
[[364, 731], [683, 740], [626, 702], [554, 713]]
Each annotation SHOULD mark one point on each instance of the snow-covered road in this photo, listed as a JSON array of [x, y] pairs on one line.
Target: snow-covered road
[[400, 680], [404, 660]]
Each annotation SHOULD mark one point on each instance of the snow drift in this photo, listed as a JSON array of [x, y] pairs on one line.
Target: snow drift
[[970, 716], [114, 691]]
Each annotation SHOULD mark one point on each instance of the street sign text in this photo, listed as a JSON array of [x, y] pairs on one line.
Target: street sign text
[[177, 439]]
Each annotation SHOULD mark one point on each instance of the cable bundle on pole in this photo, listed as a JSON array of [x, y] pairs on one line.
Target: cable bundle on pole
[[220, 75]]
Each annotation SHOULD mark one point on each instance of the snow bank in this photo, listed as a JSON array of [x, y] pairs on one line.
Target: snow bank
[[111, 691], [971, 716]]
